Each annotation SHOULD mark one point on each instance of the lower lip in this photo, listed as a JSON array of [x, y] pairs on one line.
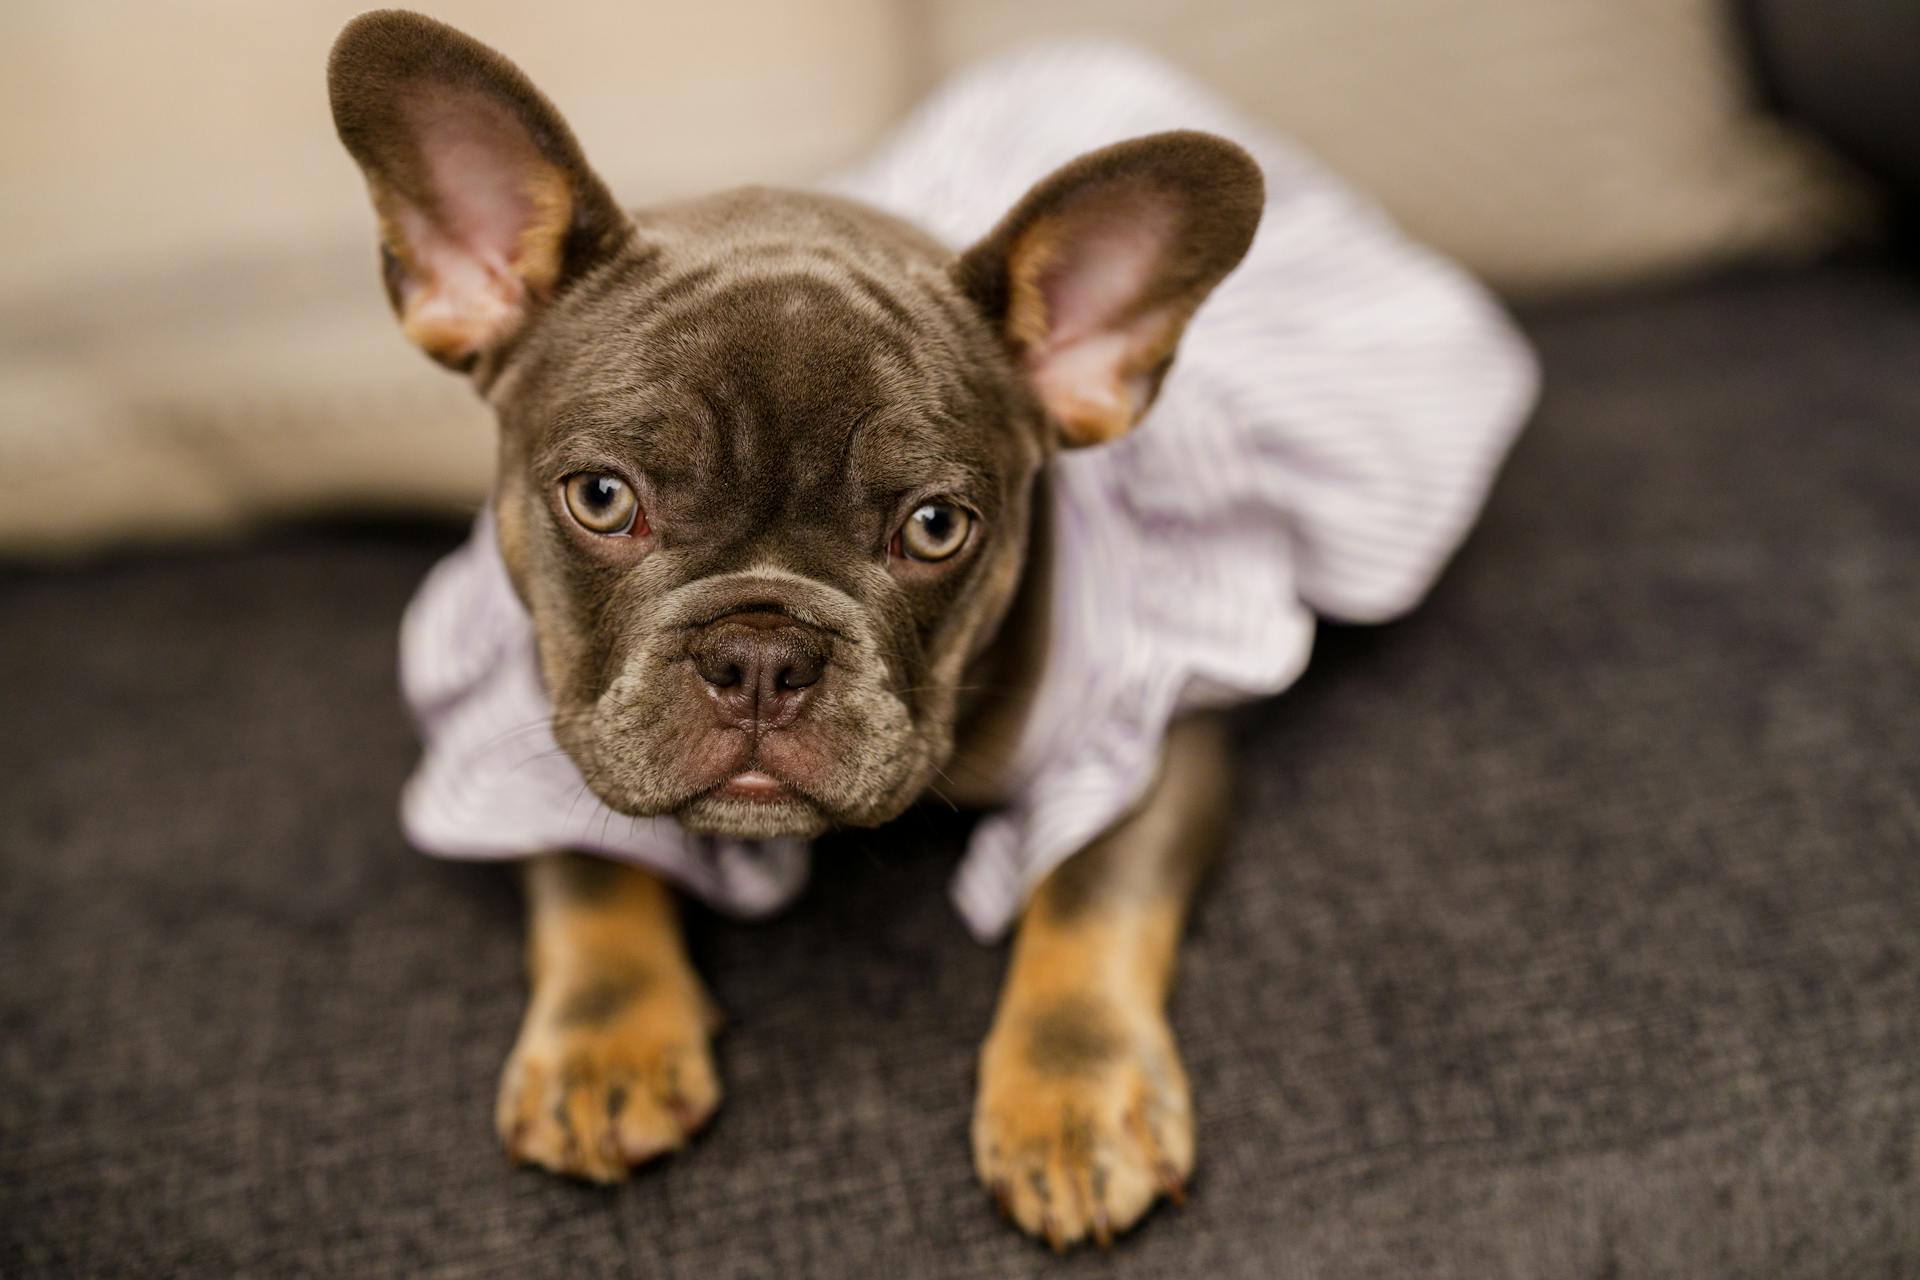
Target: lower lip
[[755, 785]]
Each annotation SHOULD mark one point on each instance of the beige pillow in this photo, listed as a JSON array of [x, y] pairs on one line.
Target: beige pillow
[[139, 136], [192, 333], [197, 401], [1550, 145]]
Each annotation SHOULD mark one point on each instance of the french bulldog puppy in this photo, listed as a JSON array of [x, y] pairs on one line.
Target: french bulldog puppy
[[773, 472]]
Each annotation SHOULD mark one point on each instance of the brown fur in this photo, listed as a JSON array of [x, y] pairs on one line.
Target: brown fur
[[781, 378]]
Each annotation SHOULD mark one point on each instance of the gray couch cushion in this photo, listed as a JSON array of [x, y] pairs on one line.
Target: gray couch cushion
[[1570, 928]]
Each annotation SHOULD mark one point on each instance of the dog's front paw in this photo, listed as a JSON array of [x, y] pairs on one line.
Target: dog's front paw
[[610, 1071], [1083, 1118]]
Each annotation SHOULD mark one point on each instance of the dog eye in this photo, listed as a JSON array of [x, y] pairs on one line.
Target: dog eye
[[934, 531], [602, 503]]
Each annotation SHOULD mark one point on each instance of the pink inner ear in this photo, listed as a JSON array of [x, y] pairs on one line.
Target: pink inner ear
[[480, 164], [1104, 265], [1092, 367], [469, 255]]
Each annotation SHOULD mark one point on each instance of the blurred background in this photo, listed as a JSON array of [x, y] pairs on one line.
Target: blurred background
[[1569, 927], [188, 309]]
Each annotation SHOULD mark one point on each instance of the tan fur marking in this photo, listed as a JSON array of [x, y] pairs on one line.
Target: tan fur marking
[[1088, 422], [537, 255], [612, 1067], [511, 530], [1028, 322], [1083, 1152]]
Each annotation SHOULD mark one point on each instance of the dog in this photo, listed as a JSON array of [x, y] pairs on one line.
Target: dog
[[780, 531]]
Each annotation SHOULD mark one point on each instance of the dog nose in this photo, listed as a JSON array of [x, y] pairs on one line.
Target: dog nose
[[758, 666]]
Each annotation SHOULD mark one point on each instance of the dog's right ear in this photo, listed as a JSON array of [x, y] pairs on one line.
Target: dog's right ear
[[487, 207], [1092, 277]]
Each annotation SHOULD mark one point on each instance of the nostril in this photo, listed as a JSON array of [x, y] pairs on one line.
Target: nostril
[[802, 670], [718, 665]]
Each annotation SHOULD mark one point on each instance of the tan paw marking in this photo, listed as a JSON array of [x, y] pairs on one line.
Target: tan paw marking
[[610, 1072], [1083, 1119]]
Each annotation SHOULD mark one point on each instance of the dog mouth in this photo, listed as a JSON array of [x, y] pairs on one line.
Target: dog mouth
[[847, 758], [755, 786], [753, 804]]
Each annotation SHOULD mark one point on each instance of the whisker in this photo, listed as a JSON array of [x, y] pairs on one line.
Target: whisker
[[586, 782], [538, 755], [948, 800], [506, 735], [961, 688]]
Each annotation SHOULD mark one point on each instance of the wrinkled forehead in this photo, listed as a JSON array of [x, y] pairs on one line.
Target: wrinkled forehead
[[798, 369]]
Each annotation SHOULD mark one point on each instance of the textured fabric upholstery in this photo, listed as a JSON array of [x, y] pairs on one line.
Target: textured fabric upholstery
[[1569, 929]]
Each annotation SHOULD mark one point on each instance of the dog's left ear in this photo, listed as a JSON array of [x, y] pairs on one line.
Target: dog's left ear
[[487, 207], [1092, 277]]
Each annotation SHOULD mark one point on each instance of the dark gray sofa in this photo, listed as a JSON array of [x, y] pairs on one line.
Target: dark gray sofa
[[1571, 927]]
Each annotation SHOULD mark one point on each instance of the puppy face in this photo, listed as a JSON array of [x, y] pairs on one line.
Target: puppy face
[[765, 485], [768, 460]]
